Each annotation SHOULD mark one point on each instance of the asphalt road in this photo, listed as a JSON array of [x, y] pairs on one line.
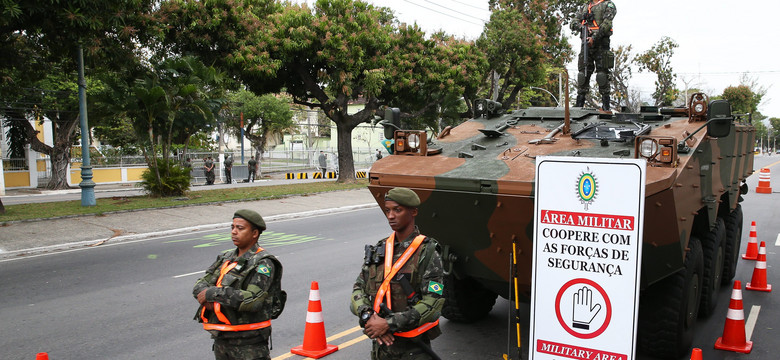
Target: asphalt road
[[132, 300]]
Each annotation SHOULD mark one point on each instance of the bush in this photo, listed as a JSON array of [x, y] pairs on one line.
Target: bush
[[174, 179]]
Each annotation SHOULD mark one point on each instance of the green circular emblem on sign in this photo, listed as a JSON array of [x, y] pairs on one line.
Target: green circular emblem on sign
[[587, 187]]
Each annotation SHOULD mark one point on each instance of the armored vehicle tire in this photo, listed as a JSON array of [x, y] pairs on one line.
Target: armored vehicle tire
[[466, 300], [713, 246], [669, 308], [733, 242]]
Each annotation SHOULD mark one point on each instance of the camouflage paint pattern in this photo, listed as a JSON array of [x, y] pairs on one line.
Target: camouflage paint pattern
[[477, 193]]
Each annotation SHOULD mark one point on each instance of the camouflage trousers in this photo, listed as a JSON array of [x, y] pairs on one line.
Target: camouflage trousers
[[401, 349], [598, 62], [238, 349]]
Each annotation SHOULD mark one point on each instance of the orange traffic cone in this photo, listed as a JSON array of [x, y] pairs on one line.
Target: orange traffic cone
[[764, 179], [314, 343], [696, 354], [759, 273], [751, 253], [733, 338], [42, 356]]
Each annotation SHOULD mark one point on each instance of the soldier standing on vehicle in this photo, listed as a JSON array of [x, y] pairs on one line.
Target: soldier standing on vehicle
[[252, 169], [241, 292], [323, 161], [228, 169], [594, 23], [398, 295]]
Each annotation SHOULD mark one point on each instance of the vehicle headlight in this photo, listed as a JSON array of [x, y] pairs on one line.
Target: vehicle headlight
[[698, 107], [648, 148], [413, 140]]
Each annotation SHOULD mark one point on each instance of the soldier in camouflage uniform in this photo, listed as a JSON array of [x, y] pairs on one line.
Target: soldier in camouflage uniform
[[400, 314], [241, 293], [596, 16]]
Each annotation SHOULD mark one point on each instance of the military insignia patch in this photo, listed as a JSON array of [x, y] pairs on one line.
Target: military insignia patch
[[262, 269], [435, 287]]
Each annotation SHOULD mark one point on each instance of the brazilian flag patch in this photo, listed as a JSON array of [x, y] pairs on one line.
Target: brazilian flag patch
[[435, 287], [262, 269]]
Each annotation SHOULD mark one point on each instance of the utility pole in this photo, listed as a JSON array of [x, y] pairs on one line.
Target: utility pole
[[87, 185]]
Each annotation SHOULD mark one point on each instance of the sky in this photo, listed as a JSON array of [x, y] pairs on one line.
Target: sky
[[719, 40]]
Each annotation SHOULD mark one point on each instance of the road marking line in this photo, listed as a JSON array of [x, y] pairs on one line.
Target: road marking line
[[188, 274], [777, 242], [331, 338], [751, 321], [343, 333]]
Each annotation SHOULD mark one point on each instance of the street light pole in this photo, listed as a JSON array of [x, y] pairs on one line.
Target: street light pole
[[87, 185]]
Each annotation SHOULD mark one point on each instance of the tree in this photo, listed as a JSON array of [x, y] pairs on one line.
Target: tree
[[742, 99], [775, 134], [341, 51], [624, 95], [658, 60], [39, 40], [523, 42], [264, 116], [167, 100]]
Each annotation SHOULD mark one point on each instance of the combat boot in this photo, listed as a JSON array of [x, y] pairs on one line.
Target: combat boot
[[580, 100], [605, 104]]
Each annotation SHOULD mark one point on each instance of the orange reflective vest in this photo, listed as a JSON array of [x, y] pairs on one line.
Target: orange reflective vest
[[226, 325], [594, 26], [390, 271]]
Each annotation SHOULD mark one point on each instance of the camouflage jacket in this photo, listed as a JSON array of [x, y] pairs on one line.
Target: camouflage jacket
[[425, 275], [245, 295], [603, 12]]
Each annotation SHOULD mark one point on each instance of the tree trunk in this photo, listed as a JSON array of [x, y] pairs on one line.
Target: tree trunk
[[59, 154], [344, 140], [60, 158]]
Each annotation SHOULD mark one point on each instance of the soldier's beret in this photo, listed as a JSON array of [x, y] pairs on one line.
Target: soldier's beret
[[252, 216], [403, 196]]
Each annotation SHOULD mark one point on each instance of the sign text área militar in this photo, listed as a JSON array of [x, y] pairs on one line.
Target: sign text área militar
[[587, 258]]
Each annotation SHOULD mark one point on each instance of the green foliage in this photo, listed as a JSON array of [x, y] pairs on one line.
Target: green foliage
[[325, 57], [263, 115], [523, 42], [658, 60], [165, 178], [742, 99]]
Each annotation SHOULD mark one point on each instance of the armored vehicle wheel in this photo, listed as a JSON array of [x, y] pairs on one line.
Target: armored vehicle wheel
[[669, 308], [714, 257], [733, 242], [466, 300]]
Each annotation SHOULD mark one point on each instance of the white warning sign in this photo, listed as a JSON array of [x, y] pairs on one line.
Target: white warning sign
[[587, 258]]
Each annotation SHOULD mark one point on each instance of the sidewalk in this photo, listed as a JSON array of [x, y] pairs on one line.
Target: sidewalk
[[26, 238]]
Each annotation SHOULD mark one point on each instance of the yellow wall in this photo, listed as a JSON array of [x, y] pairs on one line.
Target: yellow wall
[[16, 179], [41, 165], [107, 175], [134, 174]]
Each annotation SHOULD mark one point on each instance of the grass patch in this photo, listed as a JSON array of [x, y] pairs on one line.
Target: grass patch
[[108, 205]]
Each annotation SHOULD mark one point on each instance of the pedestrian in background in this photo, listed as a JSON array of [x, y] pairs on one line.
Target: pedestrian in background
[[323, 161], [252, 169], [228, 169], [209, 169], [241, 292]]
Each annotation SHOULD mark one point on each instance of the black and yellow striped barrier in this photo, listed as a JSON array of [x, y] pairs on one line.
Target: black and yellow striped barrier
[[316, 175], [360, 174], [303, 175], [289, 176], [331, 174]]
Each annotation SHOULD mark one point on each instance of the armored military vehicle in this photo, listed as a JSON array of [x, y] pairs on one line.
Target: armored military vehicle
[[476, 183]]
